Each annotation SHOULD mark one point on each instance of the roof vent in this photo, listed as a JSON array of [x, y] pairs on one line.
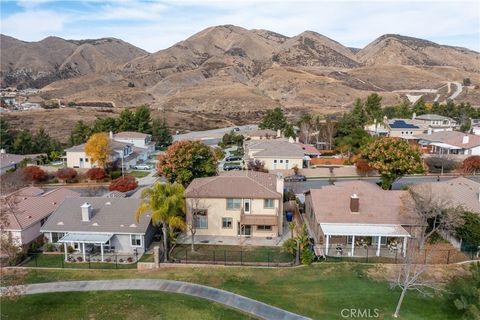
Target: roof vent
[[29, 217], [54, 203], [122, 225], [133, 225], [95, 224], [354, 203], [108, 203], [60, 223], [86, 211]]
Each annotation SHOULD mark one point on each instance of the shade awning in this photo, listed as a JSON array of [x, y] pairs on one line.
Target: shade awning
[[445, 146], [259, 220], [367, 230], [86, 237]]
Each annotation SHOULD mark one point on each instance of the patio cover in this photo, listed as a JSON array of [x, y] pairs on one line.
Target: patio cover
[[366, 230], [445, 146], [259, 220], [86, 238]]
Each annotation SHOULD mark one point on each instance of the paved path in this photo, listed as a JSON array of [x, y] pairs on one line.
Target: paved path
[[255, 308]]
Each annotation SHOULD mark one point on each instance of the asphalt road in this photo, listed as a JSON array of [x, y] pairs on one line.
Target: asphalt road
[[300, 187], [213, 135]]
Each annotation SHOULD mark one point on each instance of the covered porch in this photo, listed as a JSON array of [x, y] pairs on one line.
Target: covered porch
[[86, 244], [444, 148], [347, 239]]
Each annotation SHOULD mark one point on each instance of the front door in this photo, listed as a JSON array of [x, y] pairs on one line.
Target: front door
[[247, 230]]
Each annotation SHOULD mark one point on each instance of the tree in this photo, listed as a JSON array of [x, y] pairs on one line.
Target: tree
[[34, 173], [96, 174], [470, 230], [43, 143], [160, 134], [126, 121], [464, 293], [431, 214], [186, 160], [143, 119], [392, 158], [80, 133], [23, 142], [6, 138], [105, 125], [373, 108], [288, 131], [66, 173], [256, 165], [123, 184], [166, 204], [354, 141], [274, 119], [98, 149], [471, 164], [307, 126], [363, 167]]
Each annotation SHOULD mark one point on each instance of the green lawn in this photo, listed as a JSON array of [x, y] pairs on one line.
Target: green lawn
[[320, 291], [139, 173], [115, 305], [57, 261], [222, 254]]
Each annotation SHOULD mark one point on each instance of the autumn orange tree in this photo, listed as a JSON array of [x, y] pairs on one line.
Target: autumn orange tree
[[187, 160], [392, 158], [363, 167], [96, 174], [471, 164], [34, 173], [98, 148]]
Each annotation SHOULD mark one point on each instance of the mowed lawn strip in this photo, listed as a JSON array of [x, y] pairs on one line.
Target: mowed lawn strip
[[320, 291], [115, 305]]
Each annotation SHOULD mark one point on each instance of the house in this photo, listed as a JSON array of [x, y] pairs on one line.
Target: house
[[352, 213], [475, 126], [309, 150], [405, 128], [435, 122], [97, 225], [262, 134], [33, 207], [237, 204], [451, 142], [139, 140], [9, 161], [276, 154]]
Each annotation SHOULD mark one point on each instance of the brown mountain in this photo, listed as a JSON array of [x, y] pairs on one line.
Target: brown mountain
[[36, 64]]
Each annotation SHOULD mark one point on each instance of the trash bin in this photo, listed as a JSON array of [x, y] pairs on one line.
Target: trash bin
[[289, 216]]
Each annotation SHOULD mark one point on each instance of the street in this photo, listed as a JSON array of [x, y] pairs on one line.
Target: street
[[213, 135]]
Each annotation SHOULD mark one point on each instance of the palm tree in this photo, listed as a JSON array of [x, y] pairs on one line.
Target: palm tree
[[166, 203]]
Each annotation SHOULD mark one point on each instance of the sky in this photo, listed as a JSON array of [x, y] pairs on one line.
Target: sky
[[155, 25]]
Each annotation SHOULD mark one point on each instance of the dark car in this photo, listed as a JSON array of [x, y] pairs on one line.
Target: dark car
[[295, 178], [228, 167], [233, 158]]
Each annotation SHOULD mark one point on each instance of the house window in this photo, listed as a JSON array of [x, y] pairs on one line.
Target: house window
[[201, 219], [264, 228], [227, 223], [246, 205], [135, 240], [268, 203], [233, 204], [57, 236], [274, 161], [86, 159], [281, 161]]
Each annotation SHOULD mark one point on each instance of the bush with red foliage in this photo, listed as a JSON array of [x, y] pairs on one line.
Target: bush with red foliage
[[363, 167], [34, 173], [123, 184], [471, 164], [96, 174], [66, 173]]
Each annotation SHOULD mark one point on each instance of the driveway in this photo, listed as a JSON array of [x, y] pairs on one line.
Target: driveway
[[252, 307]]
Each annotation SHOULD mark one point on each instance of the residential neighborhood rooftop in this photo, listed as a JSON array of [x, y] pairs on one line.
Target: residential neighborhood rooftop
[[453, 138], [130, 135], [432, 116], [7, 159], [276, 148]]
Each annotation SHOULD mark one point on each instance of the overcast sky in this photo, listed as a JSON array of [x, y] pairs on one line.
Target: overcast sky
[[155, 25]]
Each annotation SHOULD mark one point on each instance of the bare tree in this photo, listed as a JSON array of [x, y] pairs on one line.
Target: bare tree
[[194, 207], [256, 165], [431, 213]]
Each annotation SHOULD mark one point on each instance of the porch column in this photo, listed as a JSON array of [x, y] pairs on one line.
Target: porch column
[[83, 250], [65, 248], [327, 242], [378, 245], [353, 245], [404, 248], [101, 250]]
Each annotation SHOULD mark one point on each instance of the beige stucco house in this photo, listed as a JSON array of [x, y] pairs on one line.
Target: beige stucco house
[[278, 154], [236, 204]]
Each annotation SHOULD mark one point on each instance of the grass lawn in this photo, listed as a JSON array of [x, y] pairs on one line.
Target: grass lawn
[[57, 261], [319, 291], [115, 305], [139, 173], [237, 254]]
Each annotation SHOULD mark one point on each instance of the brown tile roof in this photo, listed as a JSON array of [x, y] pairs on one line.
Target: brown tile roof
[[29, 191], [276, 148], [235, 184], [31, 209], [116, 145], [331, 204], [262, 133], [453, 138], [130, 135]]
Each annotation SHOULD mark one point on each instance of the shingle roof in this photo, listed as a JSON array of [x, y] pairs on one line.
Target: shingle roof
[[331, 204], [130, 135], [33, 208], [431, 116], [7, 159], [112, 215], [454, 138], [235, 184], [276, 148]]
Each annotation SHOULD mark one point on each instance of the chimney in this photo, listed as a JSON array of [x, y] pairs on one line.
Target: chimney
[[414, 115], [429, 130], [111, 135], [86, 211], [466, 139], [297, 139], [279, 133], [354, 203], [3, 151]]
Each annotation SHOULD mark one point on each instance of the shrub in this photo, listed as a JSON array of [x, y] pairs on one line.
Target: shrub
[[115, 174], [66, 173], [307, 257], [79, 259], [121, 260], [363, 167], [435, 164], [70, 249], [470, 230], [34, 173], [129, 259], [123, 184], [471, 164], [49, 247], [96, 174]]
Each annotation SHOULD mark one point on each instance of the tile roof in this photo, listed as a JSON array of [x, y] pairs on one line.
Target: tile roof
[[454, 138], [116, 145], [262, 133], [331, 204], [276, 148], [130, 135], [33, 208], [7, 159], [431, 116], [308, 148], [110, 215], [235, 184]]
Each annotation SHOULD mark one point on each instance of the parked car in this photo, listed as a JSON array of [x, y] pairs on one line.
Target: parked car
[[233, 158], [228, 167], [295, 178], [236, 129], [142, 167]]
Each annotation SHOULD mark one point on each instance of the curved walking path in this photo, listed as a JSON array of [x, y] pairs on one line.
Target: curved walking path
[[253, 307]]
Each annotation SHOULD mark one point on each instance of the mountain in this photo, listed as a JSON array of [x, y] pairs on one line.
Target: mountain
[[36, 64]]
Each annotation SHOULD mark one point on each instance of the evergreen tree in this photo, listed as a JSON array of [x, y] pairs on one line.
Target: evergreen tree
[[373, 108], [80, 133], [104, 125], [6, 138], [126, 121], [143, 119], [23, 142], [160, 134], [274, 119]]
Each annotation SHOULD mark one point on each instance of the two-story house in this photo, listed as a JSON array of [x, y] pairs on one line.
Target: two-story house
[[435, 122], [236, 204], [277, 154], [141, 142]]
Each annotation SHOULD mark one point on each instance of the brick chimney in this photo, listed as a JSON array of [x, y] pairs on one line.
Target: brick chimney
[[354, 203]]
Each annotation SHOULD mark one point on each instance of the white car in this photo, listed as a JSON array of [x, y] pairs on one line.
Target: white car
[[143, 167]]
